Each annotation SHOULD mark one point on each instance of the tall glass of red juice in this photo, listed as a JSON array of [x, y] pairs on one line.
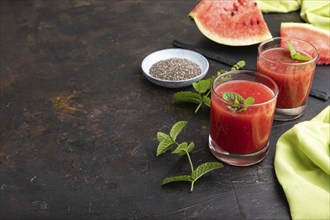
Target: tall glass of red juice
[[293, 77], [239, 134]]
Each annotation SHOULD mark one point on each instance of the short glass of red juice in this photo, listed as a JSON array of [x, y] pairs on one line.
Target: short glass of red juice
[[293, 77], [239, 136]]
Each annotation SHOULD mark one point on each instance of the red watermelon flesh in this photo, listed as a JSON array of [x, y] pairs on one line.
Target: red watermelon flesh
[[231, 22], [307, 32]]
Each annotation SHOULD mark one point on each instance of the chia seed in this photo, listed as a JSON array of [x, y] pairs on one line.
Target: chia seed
[[175, 69]]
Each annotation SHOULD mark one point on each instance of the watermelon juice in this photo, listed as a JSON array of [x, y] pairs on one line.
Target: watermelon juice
[[293, 77], [294, 80], [241, 137]]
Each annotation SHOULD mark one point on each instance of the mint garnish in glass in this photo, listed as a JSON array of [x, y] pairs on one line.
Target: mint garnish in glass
[[236, 102], [296, 55]]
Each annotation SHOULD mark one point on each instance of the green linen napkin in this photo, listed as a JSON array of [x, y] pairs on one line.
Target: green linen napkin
[[302, 166], [281, 6], [316, 12]]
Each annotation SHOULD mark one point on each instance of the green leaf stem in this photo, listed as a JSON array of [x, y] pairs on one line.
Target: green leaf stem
[[201, 95], [176, 179], [166, 142]]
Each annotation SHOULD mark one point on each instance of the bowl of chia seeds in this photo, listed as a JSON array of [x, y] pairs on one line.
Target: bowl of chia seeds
[[174, 68]]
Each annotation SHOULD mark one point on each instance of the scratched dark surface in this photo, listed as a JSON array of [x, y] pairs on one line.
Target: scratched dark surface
[[79, 120]]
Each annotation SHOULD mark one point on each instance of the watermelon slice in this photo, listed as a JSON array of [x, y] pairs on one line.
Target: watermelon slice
[[313, 35], [234, 22]]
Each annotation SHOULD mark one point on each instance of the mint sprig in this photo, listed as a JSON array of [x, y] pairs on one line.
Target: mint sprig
[[168, 142], [296, 55], [201, 95], [236, 102]]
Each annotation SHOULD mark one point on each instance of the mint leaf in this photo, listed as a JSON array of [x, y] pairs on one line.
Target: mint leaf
[[177, 128], [232, 96], [249, 101], [238, 65], [205, 168], [203, 89], [176, 179], [200, 97], [164, 146], [291, 49], [193, 97], [184, 148], [181, 149], [207, 100], [236, 102], [202, 86], [196, 174], [225, 79], [190, 147], [202, 170], [221, 72], [296, 55], [187, 96], [211, 79], [162, 136], [166, 142]]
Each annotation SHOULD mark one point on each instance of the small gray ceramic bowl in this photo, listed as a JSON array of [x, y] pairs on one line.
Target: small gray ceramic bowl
[[195, 57]]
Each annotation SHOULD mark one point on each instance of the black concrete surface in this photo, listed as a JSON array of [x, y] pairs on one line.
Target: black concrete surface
[[79, 120]]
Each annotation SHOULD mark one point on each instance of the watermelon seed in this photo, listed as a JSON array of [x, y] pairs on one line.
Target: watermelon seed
[[232, 14]]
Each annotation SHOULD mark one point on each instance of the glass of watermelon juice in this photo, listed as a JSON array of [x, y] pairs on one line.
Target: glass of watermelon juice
[[239, 134], [293, 77]]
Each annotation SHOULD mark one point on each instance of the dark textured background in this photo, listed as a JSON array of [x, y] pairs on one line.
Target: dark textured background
[[79, 120]]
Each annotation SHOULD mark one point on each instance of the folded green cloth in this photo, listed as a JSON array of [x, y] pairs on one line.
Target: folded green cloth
[[302, 166], [281, 6], [316, 12]]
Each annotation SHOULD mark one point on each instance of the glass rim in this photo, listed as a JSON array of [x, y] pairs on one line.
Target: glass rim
[[249, 72], [314, 59]]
